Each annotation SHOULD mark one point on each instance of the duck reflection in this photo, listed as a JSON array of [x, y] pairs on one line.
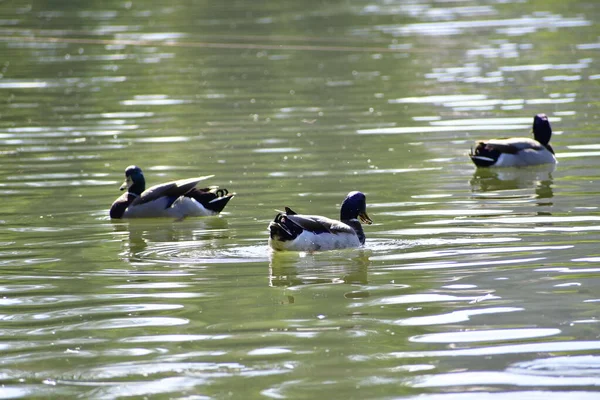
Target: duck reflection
[[293, 269], [538, 178], [144, 237]]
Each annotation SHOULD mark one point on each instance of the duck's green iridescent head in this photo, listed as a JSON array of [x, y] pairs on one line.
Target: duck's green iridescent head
[[355, 206], [541, 129], [134, 180]]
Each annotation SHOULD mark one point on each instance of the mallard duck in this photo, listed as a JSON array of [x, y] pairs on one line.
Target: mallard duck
[[517, 152], [177, 199], [292, 231]]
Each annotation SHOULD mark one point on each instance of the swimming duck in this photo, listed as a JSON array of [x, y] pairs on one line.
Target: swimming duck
[[517, 152], [176, 199], [292, 231]]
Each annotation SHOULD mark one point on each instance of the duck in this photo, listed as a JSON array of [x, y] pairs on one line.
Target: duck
[[518, 151], [308, 233], [176, 199]]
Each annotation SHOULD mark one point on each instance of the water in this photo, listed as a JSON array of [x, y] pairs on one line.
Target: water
[[472, 284]]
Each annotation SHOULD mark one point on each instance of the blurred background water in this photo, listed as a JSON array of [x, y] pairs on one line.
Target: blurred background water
[[472, 284]]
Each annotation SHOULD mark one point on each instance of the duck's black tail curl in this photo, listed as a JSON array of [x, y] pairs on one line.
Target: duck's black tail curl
[[212, 199], [283, 229], [483, 155]]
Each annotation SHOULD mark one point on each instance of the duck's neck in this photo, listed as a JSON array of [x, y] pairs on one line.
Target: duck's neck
[[348, 211], [543, 134], [549, 148], [137, 188], [355, 224]]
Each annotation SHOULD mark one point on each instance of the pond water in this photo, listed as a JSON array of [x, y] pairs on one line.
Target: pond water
[[471, 285]]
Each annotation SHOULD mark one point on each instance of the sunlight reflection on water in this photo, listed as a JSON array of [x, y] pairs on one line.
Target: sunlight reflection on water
[[463, 274]]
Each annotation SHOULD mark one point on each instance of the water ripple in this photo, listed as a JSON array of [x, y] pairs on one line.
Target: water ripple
[[539, 347], [500, 378], [172, 338], [453, 317], [575, 365], [114, 323], [426, 298], [484, 335], [510, 394], [509, 26]]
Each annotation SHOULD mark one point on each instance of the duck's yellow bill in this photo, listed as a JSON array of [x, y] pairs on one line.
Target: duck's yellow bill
[[364, 218], [126, 184]]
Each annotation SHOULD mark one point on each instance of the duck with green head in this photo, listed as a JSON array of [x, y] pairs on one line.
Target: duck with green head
[[176, 199], [292, 231]]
